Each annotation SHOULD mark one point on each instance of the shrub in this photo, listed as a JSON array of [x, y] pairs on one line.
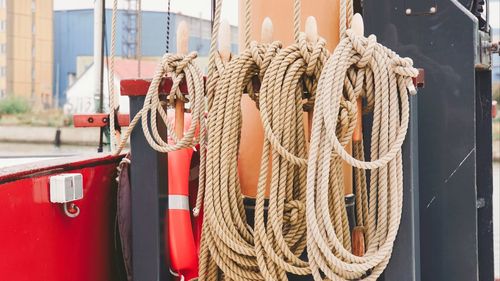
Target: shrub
[[14, 105]]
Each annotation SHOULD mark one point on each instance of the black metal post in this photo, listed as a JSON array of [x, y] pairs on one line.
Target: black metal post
[[148, 179]]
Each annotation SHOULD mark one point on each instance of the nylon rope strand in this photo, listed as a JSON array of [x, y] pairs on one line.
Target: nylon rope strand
[[231, 249], [226, 251], [279, 244], [359, 67], [178, 67], [216, 68], [112, 102]]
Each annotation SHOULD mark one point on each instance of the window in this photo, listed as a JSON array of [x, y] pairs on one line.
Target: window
[[2, 71], [2, 25], [33, 5], [2, 3], [2, 48], [2, 93]]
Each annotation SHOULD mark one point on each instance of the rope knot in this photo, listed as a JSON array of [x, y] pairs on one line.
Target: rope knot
[[263, 54], [174, 66], [404, 66], [312, 53], [365, 47], [294, 212], [257, 52]]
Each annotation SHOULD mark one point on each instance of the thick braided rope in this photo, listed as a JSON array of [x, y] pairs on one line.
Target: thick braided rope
[[227, 241], [178, 67], [227, 247], [346, 12], [280, 243], [112, 105], [358, 67], [216, 67]]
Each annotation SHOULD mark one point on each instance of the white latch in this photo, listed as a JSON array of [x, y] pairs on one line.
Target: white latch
[[66, 188]]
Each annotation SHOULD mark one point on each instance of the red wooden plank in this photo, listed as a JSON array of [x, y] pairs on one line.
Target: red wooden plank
[[98, 120]]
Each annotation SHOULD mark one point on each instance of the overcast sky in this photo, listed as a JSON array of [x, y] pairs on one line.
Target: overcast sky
[[194, 8]]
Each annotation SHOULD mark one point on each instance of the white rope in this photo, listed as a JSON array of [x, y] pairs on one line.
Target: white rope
[[112, 105], [359, 67]]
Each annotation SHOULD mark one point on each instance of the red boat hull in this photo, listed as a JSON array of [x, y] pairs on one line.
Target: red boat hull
[[39, 242]]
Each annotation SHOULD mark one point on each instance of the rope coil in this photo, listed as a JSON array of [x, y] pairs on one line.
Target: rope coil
[[281, 242], [179, 68], [359, 67], [227, 240]]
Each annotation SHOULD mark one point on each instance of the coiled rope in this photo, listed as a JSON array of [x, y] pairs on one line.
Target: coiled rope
[[178, 67], [280, 244], [359, 67], [227, 240], [231, 249]]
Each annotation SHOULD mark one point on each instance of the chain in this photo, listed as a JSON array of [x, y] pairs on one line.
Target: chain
[[167, 41]]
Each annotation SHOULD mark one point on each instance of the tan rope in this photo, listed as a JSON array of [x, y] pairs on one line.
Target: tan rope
[[358, 67], [280, 243], [178, 67], [231, 250], [112, 105], [216, 67], [227, 240]]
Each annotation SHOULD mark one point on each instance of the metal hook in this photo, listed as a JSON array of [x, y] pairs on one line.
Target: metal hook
[[71, 210]]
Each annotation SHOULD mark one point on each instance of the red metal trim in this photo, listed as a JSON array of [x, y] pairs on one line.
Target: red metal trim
[[139, 87], [59, 165], [98, 120], [419, 81]]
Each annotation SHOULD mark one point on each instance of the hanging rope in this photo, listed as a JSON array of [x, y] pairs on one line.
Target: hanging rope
[[178, 67], [227, 241], [230, 247], [112, 101], [359, 67], [280, 243], [216, 68]]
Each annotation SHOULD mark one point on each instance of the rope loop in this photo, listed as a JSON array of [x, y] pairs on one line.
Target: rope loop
[[175, 65], [365, 47], [261, 56], [359, 68], [404, 66], [312, 53], [178, 67]]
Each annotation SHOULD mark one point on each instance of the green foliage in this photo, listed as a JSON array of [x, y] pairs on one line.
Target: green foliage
[[14, 105]]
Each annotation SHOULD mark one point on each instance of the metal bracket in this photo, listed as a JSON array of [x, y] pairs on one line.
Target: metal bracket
[[98, 120], [420, 7], [484, 50]]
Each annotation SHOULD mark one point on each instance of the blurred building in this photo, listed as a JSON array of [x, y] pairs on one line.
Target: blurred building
[[80, 95], [26, 50], [73, 37]]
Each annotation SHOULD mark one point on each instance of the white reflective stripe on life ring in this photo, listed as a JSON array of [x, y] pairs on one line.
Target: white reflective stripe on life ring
[[178, 202]]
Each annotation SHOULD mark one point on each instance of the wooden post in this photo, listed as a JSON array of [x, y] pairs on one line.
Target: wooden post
[[182, 48]]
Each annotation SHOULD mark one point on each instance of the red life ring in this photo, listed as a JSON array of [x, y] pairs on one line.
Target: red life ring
[[182, 235]]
